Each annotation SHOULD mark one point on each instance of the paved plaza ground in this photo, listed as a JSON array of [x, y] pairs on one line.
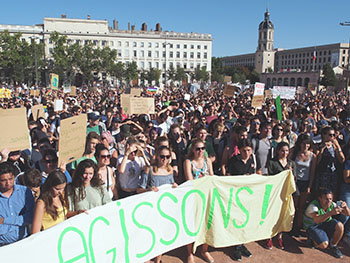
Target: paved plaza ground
[[296, 251]]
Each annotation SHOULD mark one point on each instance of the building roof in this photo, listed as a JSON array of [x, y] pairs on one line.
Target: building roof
[[266, 24]]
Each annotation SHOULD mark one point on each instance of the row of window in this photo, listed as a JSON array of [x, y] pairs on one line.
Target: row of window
[[156, 54], [308, 54], [149, 65], [157, 44]]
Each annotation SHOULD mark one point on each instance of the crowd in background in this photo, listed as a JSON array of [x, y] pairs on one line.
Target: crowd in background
[[187, 138]]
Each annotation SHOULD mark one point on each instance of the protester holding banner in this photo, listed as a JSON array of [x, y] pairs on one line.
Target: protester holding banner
[[87, 189], [52, 206], [305, 165], [197, 166], [106, 172]]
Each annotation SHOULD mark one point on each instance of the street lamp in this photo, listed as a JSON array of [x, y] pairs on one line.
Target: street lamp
[[348, 71], [35, 59], [164, 45]]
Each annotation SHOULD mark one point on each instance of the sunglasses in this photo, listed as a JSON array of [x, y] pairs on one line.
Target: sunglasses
[[51, 161], [105, 156], [279, 129], [200, 148], [331, 135], [164, 156]]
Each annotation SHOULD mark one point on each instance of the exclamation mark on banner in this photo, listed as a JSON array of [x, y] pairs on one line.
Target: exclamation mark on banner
[[265, 205]]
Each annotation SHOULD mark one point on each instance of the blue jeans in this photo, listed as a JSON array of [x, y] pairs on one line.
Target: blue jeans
[[345, 196]]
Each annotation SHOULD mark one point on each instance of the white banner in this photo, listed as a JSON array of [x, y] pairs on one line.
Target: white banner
[[217, 210], [287, 93]]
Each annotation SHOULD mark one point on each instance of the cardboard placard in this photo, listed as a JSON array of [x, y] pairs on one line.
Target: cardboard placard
[[258, 97], [38, 111], [58, 105], [268, 94], [67, 88], [135, 92], [15, 135], [35, 92], [301, 90], [187, 97], [141, 105], [227, 79], [229, 90], [73, 91], [125, 102], [72, 138]]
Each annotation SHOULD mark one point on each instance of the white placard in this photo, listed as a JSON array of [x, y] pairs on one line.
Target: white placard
[[285, 92], [58, 105]]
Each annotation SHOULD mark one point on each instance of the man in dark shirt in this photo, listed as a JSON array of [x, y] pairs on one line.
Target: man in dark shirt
[[244, 163]]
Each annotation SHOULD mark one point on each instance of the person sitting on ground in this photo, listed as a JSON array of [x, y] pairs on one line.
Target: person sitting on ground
[[321, 226]]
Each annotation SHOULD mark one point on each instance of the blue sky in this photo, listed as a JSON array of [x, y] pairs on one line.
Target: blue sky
[[232, 23]]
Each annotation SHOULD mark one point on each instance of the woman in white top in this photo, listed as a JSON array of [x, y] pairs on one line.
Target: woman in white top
[[130, 166], [106, 172]]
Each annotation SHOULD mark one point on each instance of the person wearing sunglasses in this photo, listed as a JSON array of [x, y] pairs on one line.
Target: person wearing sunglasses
[[277, 137], [106, 172], [130, 165], [329, 157], [49, 163], [196, 166]]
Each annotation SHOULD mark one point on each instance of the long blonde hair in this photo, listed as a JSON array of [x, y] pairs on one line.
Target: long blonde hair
[[190, 155]]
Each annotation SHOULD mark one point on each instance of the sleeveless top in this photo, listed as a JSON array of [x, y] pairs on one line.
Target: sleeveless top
[[302, 169], [199, 172], [149, 180], [48, 221]]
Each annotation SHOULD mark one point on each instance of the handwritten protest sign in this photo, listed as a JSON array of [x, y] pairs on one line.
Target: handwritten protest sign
[[229, 90], [125, 102], [14, 134], [219, 211], [72, 138], [141, 105], [67, 88], [301, 90], [227, 79], [285, 92], [258, 96], [5, 93], [187, 97], [54, 80], [58, 105], [38, 111]]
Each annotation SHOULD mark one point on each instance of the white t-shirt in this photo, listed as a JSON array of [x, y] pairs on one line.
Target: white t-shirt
[[132, 174]]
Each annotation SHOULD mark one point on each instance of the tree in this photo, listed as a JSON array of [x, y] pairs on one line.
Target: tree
[[119, 71], [180, 74], [131, 72], [217, 72], [153, 74], [253, 76], [329, 78], [171, 73]]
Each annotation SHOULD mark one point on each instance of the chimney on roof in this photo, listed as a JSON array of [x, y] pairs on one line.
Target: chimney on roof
[[117, 25], [63, 16], [133, 28], [113, 24], [129, 26], [158, 28], [88, 17], [144, 27]]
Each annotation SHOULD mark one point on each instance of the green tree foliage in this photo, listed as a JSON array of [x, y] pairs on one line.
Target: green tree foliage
[[17, 58], [171, 73], [153, 74], [329, 78], [217, 72], [180, 74], [131, 72]]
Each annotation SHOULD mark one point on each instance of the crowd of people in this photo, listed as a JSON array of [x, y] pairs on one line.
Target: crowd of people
[[186, 139]]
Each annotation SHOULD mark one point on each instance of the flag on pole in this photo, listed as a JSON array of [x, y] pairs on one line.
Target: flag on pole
[[314, 55], [278, 108]]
